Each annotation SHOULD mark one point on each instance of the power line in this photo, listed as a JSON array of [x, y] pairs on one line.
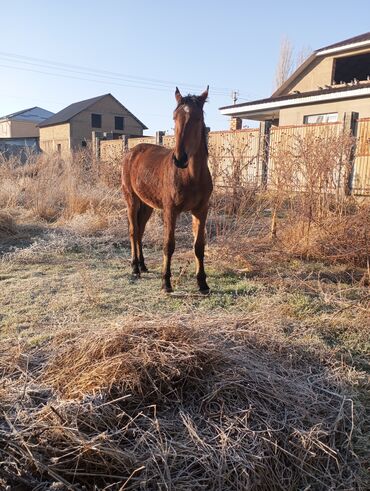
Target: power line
[[137, 82]]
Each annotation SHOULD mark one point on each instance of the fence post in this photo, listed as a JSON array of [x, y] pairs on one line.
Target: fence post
[[159, 137], [96, 144], [350, 120], [264, 150], [124, 143], [208, 130]]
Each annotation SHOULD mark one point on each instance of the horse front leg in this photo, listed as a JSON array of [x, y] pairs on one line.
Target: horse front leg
[[132, 214], [199, 224], [168, 248]]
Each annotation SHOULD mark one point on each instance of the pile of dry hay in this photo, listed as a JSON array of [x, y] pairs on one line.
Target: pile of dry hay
[[170, 405]]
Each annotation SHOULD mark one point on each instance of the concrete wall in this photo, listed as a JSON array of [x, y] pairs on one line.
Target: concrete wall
[[52, 136], [18, 129], [294, 115], [23, 129], [81, 128]]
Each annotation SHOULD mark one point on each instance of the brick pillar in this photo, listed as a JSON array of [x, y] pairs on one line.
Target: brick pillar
[[235, 123]]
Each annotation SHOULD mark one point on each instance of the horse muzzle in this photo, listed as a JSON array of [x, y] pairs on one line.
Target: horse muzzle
[[182, 162]]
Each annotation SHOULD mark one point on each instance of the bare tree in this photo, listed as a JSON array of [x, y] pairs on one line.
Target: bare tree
[[285, 63], [302, 55], [289, 60]]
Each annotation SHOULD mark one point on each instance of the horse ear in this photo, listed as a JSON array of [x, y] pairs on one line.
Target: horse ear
[[203, 97], [178, 96]]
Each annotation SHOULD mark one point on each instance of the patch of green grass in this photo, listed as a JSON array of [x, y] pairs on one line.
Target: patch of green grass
[[301, 306]]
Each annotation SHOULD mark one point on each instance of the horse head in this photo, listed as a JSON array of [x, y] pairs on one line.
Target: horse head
[[189, 126]]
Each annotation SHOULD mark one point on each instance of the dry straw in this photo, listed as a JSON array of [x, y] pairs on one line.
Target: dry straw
[[176, 405]]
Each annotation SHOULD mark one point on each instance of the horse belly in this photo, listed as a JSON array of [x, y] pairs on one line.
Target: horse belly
[[150, 199], [148, 191]]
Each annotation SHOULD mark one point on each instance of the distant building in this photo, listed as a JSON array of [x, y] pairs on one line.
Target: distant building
[[23, 124], [333, 81], [73, 127]]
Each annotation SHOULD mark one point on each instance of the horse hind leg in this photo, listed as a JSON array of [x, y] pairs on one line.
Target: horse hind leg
[[143, 215], [168, 248], [132, 215]]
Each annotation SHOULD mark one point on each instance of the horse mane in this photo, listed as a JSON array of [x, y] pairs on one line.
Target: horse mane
[[204, 138], [189, 99]]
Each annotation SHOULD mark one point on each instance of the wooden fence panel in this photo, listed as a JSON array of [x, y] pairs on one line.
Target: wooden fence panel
[[306, 156], [111, 149], [361, 171], [233, 157], [132, 142], [168, 141]]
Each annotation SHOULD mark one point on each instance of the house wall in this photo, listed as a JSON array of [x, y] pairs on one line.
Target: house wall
[[294, 115], [51, 136], [23, 129], [5, 129], [319, 73], [18, 129], [81, 128]]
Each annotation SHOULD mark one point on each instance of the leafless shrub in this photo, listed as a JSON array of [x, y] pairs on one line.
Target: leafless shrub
[[308, 188]]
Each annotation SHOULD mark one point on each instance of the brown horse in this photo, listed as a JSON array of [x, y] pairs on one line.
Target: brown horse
[[174, 181]]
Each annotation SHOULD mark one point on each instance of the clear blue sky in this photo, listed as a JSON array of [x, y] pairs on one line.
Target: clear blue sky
[[226, 44]]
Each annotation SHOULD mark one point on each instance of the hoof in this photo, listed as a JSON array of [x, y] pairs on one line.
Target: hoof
[[135, 275], [204, 291], [167, 289], [143, 268]]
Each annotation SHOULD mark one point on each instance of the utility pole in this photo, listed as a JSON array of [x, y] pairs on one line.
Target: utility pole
[[234, 96]]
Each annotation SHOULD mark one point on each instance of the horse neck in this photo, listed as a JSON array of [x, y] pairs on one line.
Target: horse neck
[[199, 160]]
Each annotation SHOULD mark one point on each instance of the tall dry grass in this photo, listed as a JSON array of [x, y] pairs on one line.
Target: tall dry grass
[[59, 189]]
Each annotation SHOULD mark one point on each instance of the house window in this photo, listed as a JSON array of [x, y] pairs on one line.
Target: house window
[[59, 147], [118, 123], [320, 118], [351, 68], [96, 120]]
